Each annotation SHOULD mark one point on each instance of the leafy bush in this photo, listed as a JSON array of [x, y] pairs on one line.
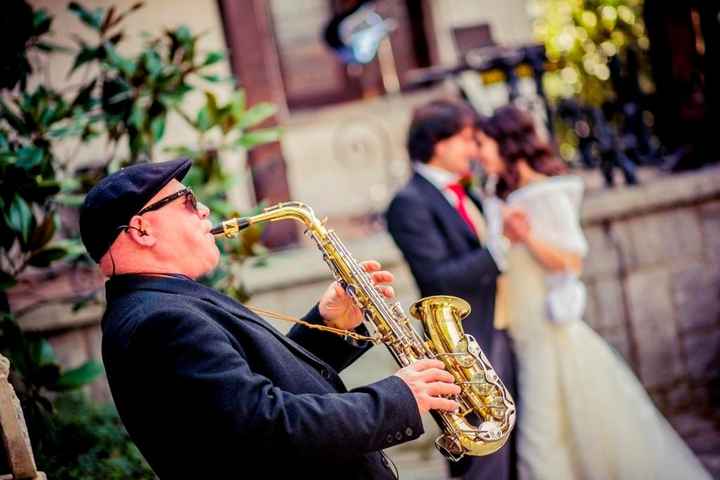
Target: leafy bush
[[87, 441], [124, 100]]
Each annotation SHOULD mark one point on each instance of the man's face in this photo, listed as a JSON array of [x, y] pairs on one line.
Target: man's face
[[488, 154], [183, 237], [455, 154]]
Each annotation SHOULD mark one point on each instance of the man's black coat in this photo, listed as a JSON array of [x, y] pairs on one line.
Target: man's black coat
[[207, 389]]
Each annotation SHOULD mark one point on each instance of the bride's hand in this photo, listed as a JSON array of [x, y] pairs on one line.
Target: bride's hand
[[516, 225]]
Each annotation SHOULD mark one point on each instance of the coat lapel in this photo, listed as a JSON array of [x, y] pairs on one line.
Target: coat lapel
[[442, 208]]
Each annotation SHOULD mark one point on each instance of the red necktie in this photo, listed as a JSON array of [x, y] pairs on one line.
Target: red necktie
[[460, 193]]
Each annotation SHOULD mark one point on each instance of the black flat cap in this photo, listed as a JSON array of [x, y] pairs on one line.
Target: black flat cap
[[116, 198]]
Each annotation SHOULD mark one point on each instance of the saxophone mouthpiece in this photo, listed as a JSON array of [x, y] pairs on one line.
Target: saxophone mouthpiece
[[217, 230], [231, 227]]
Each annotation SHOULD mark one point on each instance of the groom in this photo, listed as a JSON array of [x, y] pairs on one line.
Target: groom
[[439, 226]]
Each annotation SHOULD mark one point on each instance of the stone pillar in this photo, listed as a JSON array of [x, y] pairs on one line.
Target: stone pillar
[[255, 63]]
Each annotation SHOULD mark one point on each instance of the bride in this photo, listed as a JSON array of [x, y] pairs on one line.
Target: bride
[[584, 415]]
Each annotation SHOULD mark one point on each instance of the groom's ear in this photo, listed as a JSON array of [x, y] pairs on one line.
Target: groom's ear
[[439, 148]]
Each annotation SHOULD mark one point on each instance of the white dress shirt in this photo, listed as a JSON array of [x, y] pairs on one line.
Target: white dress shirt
[[490, 232]]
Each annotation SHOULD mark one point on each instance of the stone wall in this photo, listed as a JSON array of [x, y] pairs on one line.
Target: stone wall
[[654, 278]]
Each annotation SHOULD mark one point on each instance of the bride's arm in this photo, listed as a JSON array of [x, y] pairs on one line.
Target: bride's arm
[[553, 258]]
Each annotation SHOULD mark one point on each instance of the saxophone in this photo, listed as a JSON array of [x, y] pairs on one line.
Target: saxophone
[[483, 394]]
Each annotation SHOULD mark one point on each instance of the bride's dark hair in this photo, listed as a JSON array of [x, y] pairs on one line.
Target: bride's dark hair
[[514, 131]]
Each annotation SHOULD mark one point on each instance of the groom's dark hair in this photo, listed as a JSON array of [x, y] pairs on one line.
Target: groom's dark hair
[[436, 121]]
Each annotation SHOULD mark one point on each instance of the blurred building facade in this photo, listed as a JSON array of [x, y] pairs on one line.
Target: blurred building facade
[[654, 251], [344, 125]]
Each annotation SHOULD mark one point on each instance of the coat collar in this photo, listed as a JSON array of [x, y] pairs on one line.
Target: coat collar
[[120, 285], [437, 202]]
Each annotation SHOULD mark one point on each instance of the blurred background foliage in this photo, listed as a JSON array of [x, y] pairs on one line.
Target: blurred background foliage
[[123, 100], [600, 84], [583, 37]]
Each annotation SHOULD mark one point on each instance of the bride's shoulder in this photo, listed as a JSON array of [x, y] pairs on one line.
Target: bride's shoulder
[[568, 184]]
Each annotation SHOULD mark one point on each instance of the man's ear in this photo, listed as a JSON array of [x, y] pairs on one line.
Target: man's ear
[[141, 231], [439, 149]]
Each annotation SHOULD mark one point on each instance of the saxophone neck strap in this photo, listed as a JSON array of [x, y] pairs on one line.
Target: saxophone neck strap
[[324, 328]]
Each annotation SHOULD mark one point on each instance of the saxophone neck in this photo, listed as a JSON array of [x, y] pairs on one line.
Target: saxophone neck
[[297, 211]]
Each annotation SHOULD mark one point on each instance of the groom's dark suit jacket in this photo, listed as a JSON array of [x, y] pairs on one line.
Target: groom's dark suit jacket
[[207, 389], [446, 258]]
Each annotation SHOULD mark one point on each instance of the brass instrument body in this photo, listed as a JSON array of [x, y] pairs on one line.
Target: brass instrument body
[[483, 393]]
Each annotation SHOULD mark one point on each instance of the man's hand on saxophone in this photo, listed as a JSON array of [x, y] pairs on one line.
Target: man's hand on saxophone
[[338, 309], [429, 382]]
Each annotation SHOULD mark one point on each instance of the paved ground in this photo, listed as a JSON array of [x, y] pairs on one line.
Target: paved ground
[[702, 435]]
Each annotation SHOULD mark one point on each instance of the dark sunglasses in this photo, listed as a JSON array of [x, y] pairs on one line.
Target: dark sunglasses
[[190, 201]]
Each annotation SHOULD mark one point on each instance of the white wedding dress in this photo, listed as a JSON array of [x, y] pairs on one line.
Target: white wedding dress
[[582, 412]]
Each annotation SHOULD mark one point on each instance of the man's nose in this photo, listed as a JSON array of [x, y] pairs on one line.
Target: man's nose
[[203, 210]]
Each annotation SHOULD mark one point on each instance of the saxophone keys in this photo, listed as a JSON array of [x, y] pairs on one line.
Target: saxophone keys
[[480, 385], [462, 354], [490, 430], [472, 346], [498, 412]]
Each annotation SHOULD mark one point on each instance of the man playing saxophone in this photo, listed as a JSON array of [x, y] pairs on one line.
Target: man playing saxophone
[[208, 389]]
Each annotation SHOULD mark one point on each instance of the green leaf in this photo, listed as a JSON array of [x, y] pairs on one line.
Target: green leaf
[[43, 258], [78, 377], [170, 100], [116, 60], [202, 122], [84, 96], [115, 39], [41, 22], [85, 55], [212, 107], [108, 20], [153, 63], [138, 116], [70, 184], [43, 233], [29, 157], [183, 34], [45, 188], [213, 57], [258, 137], [157, 127], [13, 120], [42, 353], [74, 248], [69, 200], [20, 217], [211, 78], [237, 105], [50, 47], [92, 19], [256, 114]]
